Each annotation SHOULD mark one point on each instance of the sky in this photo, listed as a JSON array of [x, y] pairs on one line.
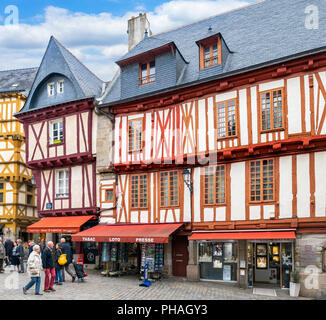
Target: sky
[[95, 31]]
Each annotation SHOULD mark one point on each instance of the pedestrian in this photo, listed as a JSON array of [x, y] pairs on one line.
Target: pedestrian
[[48, 266], [58, 267], [42, 244], [2, 255], [9, 246], [66, 249], [15, 256], [34, 268], [21, 255], [30, 246]]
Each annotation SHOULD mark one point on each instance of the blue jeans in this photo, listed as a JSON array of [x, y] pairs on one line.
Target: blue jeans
[[34, 280], [58, 275]]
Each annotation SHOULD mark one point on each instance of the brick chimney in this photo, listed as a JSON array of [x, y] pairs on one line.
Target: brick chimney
[[137, 27]]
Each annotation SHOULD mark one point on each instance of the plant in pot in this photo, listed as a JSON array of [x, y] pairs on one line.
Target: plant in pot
[[295, 284]]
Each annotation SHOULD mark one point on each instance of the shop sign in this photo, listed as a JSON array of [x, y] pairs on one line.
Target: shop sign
[[89, 239], [114, 240], [145, 240]]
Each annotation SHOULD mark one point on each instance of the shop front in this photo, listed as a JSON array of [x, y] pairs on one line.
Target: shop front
[[126, 249], [249, 258], [55, 228]]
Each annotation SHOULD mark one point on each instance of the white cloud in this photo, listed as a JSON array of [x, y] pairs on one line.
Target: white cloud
[[96, 39]]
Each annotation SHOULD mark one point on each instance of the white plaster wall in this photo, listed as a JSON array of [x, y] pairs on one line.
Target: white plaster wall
[[220, 214], [286, 195], [202, 126], [254, 212], [76, 188], [226, 96], [238, 210], [71, 134], [303, 183], [254, 114], [197, 194], [271, 85], [307, 99], [294, 105], [210, 111], [209, 214], [243, 117], [320, 195]]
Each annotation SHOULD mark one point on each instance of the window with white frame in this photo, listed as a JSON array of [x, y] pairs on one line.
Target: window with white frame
[[60, 86], [62, 184], [56, 131], [51, 89]]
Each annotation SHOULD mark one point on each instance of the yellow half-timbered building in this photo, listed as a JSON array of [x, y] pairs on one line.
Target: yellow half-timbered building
[[17, 190]]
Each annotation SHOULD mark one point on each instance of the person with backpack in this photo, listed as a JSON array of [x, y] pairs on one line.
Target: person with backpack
[[58, 267], [66, 249]]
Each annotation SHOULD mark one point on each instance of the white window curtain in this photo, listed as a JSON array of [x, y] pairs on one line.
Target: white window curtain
[[62, 184]]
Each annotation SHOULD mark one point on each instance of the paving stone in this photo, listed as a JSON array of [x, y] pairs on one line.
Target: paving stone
[[97, 287]]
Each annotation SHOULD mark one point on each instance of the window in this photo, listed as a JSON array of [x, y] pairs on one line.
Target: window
[[1, 186], [56, 134], [272, 110], [169, 188], [139, 191], [60, 86], [135, 135], [210, 55], [29, 199], [226, 119], [62, 184], [1, 197], [147, 73], [262, 180], [109, 195], [51, 89], [215, 185]]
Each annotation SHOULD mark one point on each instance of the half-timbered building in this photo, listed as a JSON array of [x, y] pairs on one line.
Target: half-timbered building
[[220, 133], [17, 190], [60, 125]]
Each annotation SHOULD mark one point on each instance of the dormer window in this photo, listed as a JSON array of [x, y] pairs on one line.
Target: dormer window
[[51, 89], [147, 73], [60, 86], [210, 56], [210, 52]]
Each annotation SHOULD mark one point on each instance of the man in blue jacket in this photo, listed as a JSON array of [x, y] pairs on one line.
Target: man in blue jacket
[[66, 249]]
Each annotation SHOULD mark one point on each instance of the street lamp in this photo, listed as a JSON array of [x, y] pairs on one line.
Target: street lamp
[[187, 179]]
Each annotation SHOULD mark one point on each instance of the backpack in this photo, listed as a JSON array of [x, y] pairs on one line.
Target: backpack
[[62, 259]]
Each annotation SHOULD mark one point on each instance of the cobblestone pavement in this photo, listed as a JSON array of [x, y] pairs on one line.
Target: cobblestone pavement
[[97, 287]]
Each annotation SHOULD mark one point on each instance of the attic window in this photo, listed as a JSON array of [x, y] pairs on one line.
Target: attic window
[[210, 52], [51, 89], [60, 86], [147, 73]]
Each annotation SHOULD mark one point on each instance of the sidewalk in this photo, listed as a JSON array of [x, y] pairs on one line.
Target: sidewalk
[[97, 287]]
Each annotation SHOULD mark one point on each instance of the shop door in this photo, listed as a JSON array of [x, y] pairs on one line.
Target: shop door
[[180, 256]]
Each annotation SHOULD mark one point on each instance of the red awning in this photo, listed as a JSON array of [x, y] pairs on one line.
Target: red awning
[[137, 233], [59, 224], [243, 235]]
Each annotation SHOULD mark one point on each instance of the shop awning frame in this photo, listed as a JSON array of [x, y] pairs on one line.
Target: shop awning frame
[[71, 224], [128, 233], [285, 234]]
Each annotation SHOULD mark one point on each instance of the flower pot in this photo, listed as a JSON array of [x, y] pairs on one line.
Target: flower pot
[[294, 289]]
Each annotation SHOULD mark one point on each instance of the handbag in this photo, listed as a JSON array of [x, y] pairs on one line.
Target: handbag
[[62, 259]]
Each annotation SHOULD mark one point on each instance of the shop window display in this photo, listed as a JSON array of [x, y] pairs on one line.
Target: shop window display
[[218, 260], [152, 255]]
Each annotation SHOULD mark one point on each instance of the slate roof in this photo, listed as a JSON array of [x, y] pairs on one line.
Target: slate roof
[[257, 35], [58, 60], [19, 80]]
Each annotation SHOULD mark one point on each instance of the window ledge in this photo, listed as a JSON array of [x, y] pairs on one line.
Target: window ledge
[[56, 144], [227, 138], [272, 130]]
